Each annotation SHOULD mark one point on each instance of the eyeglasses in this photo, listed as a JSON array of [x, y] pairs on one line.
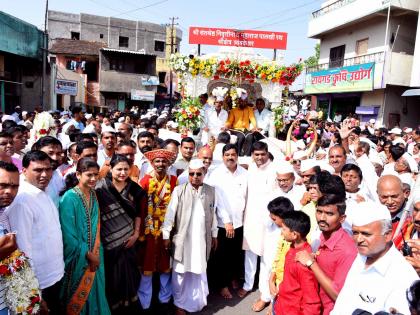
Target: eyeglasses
[[198, 174], [283, 180]]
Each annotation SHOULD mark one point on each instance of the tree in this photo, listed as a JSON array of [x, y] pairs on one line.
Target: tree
[[312, 61]]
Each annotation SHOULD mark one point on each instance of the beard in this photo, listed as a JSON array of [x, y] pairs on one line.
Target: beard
[[54, 164], [145, 149]]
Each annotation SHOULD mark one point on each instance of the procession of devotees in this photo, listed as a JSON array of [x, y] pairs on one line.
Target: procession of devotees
[[122, 213]]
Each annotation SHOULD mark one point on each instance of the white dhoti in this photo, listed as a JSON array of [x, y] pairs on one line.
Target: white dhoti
[[190, 291]]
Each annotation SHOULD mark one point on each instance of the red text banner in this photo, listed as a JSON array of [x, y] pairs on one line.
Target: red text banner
[[239, 38]]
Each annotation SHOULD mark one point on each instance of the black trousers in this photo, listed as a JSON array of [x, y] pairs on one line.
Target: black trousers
[[51, 296], [245, 140], [229, 258]]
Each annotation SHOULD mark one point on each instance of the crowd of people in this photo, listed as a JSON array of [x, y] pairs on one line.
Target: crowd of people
[[123, 213]]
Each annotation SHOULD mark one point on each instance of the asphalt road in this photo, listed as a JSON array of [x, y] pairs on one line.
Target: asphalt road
[[216, 305]]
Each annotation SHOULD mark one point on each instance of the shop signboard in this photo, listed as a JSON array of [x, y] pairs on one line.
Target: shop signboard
[[149, 80], [354, 78], [66, 87], [239, 38], [142, 95]]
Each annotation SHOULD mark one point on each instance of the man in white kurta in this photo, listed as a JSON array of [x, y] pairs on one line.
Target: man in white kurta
[[214, 121], [379, 276], [195, 226], [261, 182]]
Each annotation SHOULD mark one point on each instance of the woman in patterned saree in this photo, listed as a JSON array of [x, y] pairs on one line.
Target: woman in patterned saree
[[83, 290], [121, 201]]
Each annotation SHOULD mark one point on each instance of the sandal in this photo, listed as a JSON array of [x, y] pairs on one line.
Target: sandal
[[259, 305]]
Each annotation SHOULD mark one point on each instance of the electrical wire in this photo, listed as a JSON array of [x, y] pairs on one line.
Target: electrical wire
[[144, 7], [127, 13], [279, 22], [285, 11]]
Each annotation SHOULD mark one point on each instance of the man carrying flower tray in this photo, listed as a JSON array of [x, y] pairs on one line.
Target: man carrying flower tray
[[14, 265]]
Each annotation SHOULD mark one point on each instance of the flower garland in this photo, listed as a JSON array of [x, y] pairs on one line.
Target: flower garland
[[188, 115], [246, 70], [43, 125], [279, 113], [156, 207], [22, 295], [233, 96]]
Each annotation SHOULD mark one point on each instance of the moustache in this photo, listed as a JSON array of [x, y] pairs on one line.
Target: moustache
[[417, 222], [146, 149], [323, 222]]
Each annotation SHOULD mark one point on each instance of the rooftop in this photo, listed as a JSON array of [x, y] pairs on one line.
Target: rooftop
[[76, 47]]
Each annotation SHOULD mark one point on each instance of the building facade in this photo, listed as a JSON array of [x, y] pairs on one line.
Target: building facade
[[20, 64], [367, 59], [126, 61]]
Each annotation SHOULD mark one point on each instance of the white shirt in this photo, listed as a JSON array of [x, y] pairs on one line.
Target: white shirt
[[370, 178], [261, 183], [34, 217], [181, 163], [294, 195], [55, 186], [218, 153], [233, 189], [263, 119], [304, 104], [293, 110], [337, 118], [215, 121], [195, 251], [378, 288], [102, 157]]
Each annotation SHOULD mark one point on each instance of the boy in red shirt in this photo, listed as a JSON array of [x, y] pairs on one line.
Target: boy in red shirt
[[298, 292]]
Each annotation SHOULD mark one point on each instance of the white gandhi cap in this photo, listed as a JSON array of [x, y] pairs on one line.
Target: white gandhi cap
[[364, 213], [306, 165], [284, 167], [195, 164]]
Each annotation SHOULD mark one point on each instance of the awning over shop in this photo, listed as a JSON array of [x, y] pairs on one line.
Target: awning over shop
[[412, 92], [132, 52]]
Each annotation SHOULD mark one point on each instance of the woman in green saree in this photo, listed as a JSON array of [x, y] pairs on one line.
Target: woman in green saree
[[83, 290]]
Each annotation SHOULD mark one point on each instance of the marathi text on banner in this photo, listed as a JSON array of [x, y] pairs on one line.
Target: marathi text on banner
[[345, 79], [241, 38]]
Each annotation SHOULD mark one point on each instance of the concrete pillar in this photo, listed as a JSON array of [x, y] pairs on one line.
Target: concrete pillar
[[415, 73]]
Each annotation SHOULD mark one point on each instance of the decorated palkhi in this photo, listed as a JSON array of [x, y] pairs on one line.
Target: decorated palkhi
[[246, 70]]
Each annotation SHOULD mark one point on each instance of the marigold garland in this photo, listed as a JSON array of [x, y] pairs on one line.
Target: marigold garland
[[156, 208], [246, 70]]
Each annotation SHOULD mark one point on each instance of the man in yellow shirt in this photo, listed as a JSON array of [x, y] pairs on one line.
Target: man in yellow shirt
[[239, 121]]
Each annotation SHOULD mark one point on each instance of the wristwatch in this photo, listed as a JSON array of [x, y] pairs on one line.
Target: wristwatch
[[309, 263]]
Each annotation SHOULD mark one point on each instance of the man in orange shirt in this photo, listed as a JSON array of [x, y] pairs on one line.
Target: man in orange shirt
[[238, 123]]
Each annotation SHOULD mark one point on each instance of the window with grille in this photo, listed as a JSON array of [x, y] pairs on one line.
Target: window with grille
[[337, 56], [123, 41]]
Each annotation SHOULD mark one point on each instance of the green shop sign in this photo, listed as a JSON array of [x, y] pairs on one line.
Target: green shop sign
[[338, 80]]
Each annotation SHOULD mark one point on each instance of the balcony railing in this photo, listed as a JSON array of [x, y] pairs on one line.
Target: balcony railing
[[375, 57], [331, 7]]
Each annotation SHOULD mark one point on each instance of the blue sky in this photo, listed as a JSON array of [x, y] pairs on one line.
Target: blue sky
[[271, 15]]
